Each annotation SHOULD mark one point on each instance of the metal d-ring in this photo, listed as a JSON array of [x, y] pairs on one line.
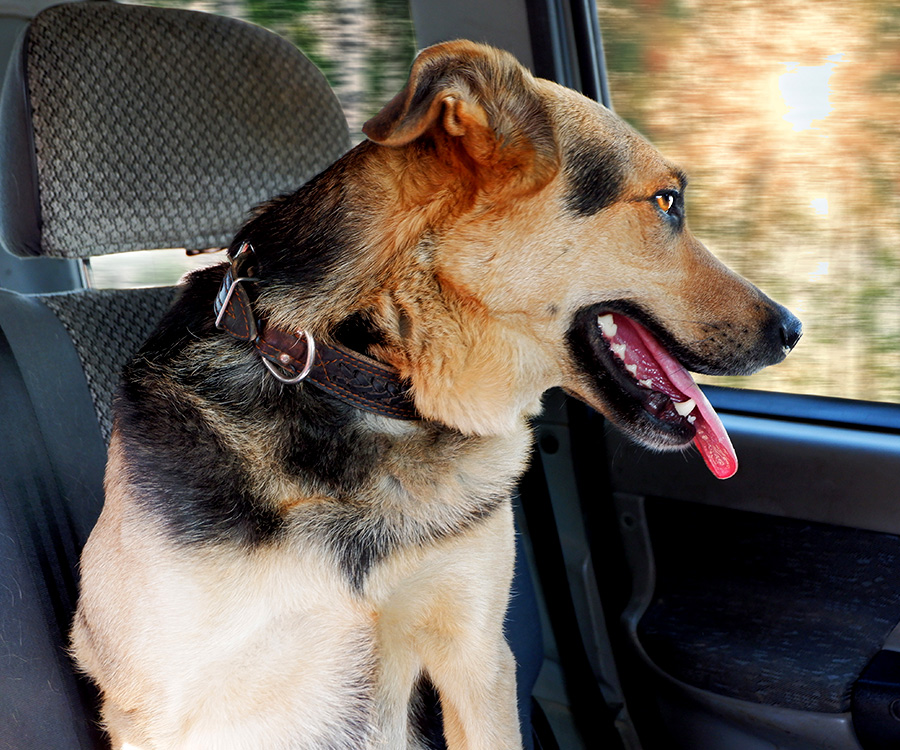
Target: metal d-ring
[[310, 357], [228, 295]]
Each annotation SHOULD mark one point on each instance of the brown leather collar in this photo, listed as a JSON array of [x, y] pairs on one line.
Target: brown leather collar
[[294, 357]]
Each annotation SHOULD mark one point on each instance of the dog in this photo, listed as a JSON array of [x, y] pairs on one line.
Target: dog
[[307, 516]]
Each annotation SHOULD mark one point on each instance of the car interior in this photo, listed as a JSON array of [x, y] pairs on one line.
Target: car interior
[[654, 606]]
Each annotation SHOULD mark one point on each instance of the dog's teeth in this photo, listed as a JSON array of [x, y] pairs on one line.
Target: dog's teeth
[[607, 325], [646, 383], [632, 369], [619, 350], [691, 418], [685, 407]]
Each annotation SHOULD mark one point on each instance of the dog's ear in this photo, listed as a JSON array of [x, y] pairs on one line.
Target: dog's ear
[[481, 98]]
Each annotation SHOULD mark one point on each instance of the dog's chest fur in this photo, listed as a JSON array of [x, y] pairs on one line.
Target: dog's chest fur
[[275, 642], [235, 459], [321, 553]]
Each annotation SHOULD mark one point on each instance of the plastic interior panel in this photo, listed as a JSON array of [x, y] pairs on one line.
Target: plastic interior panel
[[834, 475], [502, 23], [768, 609], [694, 718], [821, 471]]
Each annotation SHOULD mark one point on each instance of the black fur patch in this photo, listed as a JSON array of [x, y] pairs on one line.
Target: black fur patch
[[300, 239], [361, 534], [200, 487], [176, 462], [195, 485], [596, 178]]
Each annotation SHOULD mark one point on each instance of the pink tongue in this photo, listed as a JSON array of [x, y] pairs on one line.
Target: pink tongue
[[667, 375]]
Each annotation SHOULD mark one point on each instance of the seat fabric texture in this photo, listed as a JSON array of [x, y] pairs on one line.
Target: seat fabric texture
[[157, 128]]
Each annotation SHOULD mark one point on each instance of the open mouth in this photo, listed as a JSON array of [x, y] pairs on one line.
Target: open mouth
[[651, 394]]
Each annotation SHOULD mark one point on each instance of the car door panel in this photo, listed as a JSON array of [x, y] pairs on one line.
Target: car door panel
[[758, 602]]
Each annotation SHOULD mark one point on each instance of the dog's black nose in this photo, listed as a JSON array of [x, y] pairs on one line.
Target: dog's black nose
[[791, 331]]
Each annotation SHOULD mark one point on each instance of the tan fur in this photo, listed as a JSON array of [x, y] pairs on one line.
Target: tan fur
[[283, 619], [471, 268]]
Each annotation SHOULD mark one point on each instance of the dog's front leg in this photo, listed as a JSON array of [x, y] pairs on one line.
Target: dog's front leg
[[400, 667], [479, 703], [466, 655]]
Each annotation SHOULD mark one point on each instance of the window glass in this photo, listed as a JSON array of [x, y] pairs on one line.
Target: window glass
[[786, 115], [364, 48]]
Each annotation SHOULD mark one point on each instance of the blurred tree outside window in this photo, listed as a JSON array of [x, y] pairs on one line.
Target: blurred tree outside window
[[364, 47], [786, 116]]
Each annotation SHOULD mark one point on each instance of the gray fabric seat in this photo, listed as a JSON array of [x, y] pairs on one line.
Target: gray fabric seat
[[121, 128]]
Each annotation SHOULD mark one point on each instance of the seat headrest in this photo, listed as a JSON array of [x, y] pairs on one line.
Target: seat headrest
[[125, 127]]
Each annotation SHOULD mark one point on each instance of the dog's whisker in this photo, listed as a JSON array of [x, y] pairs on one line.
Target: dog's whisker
[[555, 258], [702, 340]]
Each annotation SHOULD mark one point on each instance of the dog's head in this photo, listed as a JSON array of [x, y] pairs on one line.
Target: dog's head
[[557, 245]]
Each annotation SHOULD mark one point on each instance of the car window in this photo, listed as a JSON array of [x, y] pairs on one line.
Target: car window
[[364, 48], [787, 117]]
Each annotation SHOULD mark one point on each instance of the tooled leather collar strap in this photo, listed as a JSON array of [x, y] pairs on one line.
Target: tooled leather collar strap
[[294, 357]]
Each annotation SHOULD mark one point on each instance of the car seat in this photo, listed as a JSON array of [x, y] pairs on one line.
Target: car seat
[[122, 128]]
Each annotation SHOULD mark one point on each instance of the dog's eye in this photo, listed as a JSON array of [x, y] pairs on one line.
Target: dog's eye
[[665, 201]]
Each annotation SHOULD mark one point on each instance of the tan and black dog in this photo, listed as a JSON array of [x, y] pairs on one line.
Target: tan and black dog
[[296, 537]]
